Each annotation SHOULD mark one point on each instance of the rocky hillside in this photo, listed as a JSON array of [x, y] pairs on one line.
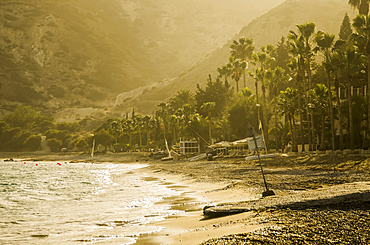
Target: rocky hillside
[[82, 53], [267, 29], [67, 53]]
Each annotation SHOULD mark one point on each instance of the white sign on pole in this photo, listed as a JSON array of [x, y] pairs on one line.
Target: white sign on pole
[[252, 145]]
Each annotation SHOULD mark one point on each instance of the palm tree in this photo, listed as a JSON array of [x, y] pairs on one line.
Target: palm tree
[[319, 98], [138, 126], [325, 44], [128, 126], [296, 72], [301, 43], [115, 129], [337, 66], [297, 65], [185, 113], [352, 59], [181, 98], [362, 25], [361, 5], [281, 131], [238, 68], [262, 60], [276, 77], [208, 107], [163, 114], [242, 49], [174, 121], [146, 124], [287, 106], [225, 72]]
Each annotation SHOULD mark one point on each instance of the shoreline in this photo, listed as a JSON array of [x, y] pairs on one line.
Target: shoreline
[[233, 184], [191, 227]]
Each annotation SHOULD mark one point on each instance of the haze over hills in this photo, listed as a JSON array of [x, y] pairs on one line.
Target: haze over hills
[[267, 29], [82, 53], [176, 34]]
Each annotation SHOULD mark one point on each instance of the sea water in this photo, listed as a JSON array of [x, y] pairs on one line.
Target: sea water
[[79, 203]]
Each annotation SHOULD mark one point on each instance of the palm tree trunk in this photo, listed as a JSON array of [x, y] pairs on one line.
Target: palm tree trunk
[[265, 121], [276, 120], [331, 112], [257, 101], [368, 105], [352, 145], [339, 113], [292, 138], [300, 115], [322, 143], [311, 133], [210, 130], [305, 89], [294, 134]]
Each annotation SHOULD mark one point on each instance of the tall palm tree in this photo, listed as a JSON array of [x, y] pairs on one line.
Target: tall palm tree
[[115, 129], [138, 127], [361, 5], [208, 107], [337, 66], [302, 41], [296, 71], [307, 31], [325, 44], [262, 60], [352, 59], [128, 126], [277, 77], [185, 113], [146, 124], [238, 68], [362, 26], [287, 106], [319, 95], [174, 121], [163, 114], [225, 72], [242, 49]]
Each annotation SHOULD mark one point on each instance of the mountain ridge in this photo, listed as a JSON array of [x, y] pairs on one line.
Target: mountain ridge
[[266, 29]]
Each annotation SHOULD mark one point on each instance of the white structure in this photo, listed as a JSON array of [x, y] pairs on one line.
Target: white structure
[[189, 147]]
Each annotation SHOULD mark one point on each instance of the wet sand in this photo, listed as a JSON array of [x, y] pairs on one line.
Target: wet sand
[[325, 208], [192, 227]]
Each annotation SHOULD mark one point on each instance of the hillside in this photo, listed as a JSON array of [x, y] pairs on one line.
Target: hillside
[[67, 53], [176, 34], [267, 29], [80, 54]]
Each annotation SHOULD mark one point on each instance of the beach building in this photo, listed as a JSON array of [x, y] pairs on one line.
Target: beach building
[[189, 147], [231, 149]]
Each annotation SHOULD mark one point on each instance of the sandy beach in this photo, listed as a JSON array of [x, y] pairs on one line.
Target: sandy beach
[[318, 199]]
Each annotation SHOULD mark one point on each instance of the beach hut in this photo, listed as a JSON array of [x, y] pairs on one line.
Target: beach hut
[[189, 147]]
